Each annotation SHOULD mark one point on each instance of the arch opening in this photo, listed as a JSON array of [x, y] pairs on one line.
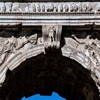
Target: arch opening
[[44, 74]]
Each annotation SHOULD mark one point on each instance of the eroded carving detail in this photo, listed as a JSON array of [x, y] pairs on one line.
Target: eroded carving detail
[[51, 35], [2, 7], [73, 8], [32, 8], [48, 7], [16, 7], [11, 45], [43, 8], [66, 8], [86, 52]]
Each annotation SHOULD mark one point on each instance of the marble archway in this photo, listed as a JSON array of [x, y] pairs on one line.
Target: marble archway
[[44, 74], [26, 47]]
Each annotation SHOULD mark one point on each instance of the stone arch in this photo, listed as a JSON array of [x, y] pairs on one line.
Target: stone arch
[[44, 74], [15, 59], [84, 60]]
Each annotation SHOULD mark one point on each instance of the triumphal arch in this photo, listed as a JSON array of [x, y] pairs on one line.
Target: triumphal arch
[[50, 46]]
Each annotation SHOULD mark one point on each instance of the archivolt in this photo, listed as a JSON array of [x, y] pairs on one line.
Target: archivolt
[[15, 59], [84, 60], [44, 74]]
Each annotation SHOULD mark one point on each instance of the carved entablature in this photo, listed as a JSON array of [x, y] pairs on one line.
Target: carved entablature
[[50, 7]]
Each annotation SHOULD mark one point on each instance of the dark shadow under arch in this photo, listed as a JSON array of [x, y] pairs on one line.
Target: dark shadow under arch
[[44, 74]]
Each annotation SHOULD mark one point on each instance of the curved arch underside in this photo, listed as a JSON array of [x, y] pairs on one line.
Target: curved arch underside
[[46, 73]]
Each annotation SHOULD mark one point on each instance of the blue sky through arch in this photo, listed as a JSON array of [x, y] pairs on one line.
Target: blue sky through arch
[[54, 96]]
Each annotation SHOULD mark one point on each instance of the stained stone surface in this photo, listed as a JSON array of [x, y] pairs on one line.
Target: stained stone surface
[[68, 36], [28, 43]]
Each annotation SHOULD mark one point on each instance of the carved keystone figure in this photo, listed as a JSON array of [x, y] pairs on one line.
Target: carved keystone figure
[[51, 34]]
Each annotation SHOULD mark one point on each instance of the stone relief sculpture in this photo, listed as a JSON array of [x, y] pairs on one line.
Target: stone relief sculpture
[[56, 8], [66, 8], [2, 7], [11, 45], [16, 7], [38, 8], [85, 51], [43, 8], [79, 48], [50, 8], [31, 39], [51, 36], [53, 7], [61, 8], [84, 8], [8, 7], [89, 7], [32, 8], [24, 8], [87, 46], [80, 7], [73, 8], [91, 50], [20, 48], [5, 48]]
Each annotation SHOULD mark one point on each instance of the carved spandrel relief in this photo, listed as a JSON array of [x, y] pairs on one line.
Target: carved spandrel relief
[[88, 47], [14, 50], [85, 51], [12, 45]]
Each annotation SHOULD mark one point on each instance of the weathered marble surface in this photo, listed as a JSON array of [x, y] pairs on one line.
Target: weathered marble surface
[[51, 35], [14, 51], [37, 13], [86, 52], [50, 7]]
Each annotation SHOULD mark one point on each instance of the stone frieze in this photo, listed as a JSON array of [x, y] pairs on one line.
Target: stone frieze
[[50, 7]]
